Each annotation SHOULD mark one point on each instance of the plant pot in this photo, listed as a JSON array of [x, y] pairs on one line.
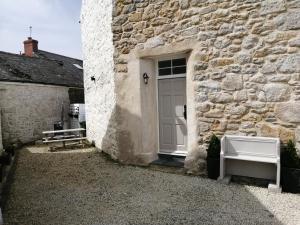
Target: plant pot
[[290, 179], [213, 168]]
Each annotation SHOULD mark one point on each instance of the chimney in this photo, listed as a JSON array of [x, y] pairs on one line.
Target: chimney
[[30, 46]]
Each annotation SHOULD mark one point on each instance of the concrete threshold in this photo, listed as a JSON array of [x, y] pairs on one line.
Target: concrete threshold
[[169, 164]]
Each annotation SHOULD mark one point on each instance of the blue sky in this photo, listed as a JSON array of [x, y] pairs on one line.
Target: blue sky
[[55, 25]]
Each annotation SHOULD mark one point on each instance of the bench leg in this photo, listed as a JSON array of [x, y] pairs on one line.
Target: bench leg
[[64, 144], [276, 187], [222, 167], [223, 178], [278, 175]]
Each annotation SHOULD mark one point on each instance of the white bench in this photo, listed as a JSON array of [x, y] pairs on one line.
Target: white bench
[[63, 135], [257, 149]]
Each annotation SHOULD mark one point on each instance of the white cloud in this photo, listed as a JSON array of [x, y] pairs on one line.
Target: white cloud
[[55, 25]]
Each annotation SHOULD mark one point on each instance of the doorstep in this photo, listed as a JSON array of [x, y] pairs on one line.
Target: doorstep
[[169, 164], [169, 160]]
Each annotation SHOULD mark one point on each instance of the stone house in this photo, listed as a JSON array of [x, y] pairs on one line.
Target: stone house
[[35, 89], [213, 66]]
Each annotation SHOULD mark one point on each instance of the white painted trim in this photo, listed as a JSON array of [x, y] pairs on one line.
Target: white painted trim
[[183, 75], [177, 153], [252, 138], [170, 57], [62, 131], [167, 57]]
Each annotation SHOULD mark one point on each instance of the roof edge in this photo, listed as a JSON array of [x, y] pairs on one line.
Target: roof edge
[[28, 82]]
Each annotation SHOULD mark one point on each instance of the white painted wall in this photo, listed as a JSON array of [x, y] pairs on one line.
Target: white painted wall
[[149, 117], [251, 169], [98, 49], [29, 109], [1, 144]]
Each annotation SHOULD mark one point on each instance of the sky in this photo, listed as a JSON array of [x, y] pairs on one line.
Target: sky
[[55, 24]]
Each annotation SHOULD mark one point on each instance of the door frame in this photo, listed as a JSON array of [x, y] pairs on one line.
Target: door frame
[[157, 78]]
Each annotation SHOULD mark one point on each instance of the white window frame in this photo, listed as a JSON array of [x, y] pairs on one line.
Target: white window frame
[[180, 75]]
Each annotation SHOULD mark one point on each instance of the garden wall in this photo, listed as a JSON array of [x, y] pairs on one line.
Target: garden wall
[[29, 109]]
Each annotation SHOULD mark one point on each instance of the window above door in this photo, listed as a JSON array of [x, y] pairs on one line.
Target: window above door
[[172, 67]]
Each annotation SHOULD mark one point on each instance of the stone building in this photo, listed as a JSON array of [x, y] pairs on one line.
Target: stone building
[[35, 89], [214, 66]]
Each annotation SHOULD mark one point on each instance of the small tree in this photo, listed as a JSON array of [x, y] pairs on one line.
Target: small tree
[[214, 147], [289, 157]]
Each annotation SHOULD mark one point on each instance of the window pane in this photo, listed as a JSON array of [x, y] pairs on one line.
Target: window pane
[[179, 70], [179, 62], [166, 71], [164, 64]]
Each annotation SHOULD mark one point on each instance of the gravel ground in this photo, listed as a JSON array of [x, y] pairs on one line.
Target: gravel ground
[[83, 187]]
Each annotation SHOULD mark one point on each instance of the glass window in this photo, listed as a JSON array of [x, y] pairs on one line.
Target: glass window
[[164, 64], [179, 70], [179, 62], [172, 67], [164, 72]]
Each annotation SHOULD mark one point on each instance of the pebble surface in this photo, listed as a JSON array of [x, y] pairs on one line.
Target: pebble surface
[[84, 188]]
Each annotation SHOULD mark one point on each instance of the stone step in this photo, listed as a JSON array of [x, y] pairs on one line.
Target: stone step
[[169, 164], [169, 160]]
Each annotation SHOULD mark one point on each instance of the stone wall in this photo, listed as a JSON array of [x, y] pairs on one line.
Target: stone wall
[[245, 60], [29, 109]]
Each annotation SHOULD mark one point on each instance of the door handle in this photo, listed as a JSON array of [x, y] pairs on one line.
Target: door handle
[[184, 112]]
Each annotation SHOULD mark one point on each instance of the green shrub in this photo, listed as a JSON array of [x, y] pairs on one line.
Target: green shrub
[[289, 157], [214, 147]]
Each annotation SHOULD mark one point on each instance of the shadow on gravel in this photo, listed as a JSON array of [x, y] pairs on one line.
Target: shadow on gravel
[[87, 188]]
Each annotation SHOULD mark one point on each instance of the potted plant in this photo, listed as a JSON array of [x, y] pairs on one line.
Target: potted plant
[[290, 168], [213, 157]]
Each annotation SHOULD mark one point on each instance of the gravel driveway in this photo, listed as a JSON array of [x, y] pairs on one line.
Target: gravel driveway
[[83, 187]]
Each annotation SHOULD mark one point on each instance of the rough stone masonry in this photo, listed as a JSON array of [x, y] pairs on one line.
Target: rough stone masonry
[[245, 69]]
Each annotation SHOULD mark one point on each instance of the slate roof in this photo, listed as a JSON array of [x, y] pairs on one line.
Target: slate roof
[[43, 68]]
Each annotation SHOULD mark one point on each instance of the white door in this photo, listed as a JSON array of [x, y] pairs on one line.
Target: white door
[[172, 115]]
